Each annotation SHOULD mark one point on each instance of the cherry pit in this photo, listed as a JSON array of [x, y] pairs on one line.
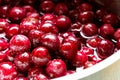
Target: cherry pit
[[47, 39]]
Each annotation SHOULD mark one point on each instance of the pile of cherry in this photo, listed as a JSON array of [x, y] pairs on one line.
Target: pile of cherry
[[46, 39]]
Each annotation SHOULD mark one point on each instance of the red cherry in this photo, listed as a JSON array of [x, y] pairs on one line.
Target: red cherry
[[86, 17], [56, 68], [3, 44], [61, 9], [7, 71], [22, 61], [51, 41], [16, 14], [4, 11], [105, 48], [117, 34], [106, 31], [19, 43], [40, 56]]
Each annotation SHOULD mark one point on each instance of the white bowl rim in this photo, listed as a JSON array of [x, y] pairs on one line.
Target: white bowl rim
[[79, 74]]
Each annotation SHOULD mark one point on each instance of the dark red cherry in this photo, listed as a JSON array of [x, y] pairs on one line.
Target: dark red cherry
[[51, 41], [16, 14], [89, 29], [19, 43], [63, 23], [35, 35], [100, 13], [68, 50], [29, 9], [4, 11], [106, 31], [79, 59], [48, 27], [118, 43], [86, 17], [40, 56], [105, 48], [3, 25], [7, 71], [85, 7], [47, 6], [12, 30], [117, 34], [56, 68], [22, 61], [61, 9], [3, 44], [110, 19]]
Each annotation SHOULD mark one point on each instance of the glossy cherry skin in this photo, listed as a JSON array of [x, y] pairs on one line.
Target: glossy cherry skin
[[86, 17], [79, 59], [51, 41], [3, 55], [93, 42], [12, 30], [87, 50], [4, 11], [118, 43], [8, 71], [100, 13], [106, 31], [3, 44], [35, 35], [89, 29], [33, 15], [28, 24], [110, 19], [56, 68], [47, 6], [85, 7], [39, 76], [61, 9], [22, 61], [68, 50], [29, 9], [117, 34], [105, 48], [40, 56], [19, 43], [3, 25], [48, 27], [63, 23], [16, 14], [20, 78]]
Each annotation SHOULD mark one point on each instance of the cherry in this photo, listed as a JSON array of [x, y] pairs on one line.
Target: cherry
[[12, 30], [87, 50], [56, 68], [51, 41], [48, 27], [63, 23], [118, 43], [16, 14], [3, 25], [68, 50], [35, 35], [3, 44], [33, 15], [79, 59], [3, 55], [4, 11], [100, 13], [89, 29], [105, 48], [110, 19], [86, 17], [93, 42], [106, 31], [85, 7], [7, 71], [117, 34], [61, 9], [40, 56], [19, 43], [40, 76], [22, 61], [20, 78], [47, 6], [29, 9]]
